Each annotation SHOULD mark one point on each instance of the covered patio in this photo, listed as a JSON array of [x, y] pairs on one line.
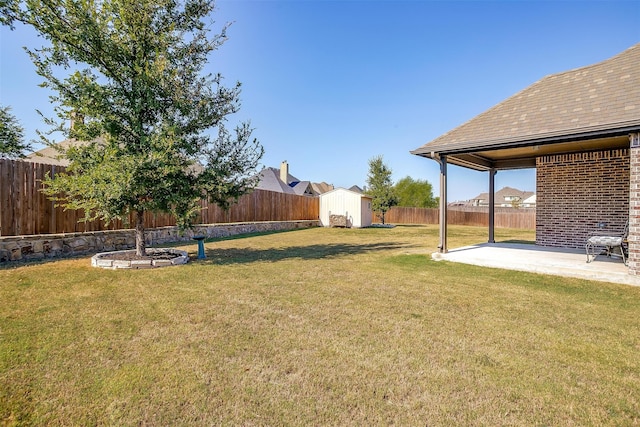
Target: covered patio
[[537, 259], [580, 130]]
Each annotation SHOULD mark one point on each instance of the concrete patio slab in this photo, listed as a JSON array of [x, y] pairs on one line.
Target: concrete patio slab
[[537, 259]]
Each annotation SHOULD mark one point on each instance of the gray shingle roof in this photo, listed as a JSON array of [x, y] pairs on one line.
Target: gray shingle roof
[[270, 181], [321, 187], [302, 188], [599, 100]]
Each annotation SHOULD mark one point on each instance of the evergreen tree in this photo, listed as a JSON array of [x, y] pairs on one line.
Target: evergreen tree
[[380, 187], [147, 109], [12, 143]]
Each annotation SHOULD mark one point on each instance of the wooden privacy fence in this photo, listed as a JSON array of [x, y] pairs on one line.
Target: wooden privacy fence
[[504, 217], [25, 210]]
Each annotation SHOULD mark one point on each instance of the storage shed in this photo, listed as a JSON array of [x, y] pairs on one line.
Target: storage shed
[[355, 207]]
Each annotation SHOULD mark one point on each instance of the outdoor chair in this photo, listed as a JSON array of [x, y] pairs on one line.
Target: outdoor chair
[[603, 243]]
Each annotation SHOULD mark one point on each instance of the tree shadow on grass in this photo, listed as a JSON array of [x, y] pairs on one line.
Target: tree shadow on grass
[[307, 252]]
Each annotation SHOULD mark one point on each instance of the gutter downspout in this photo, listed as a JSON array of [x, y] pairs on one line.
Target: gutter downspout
[[442, 160]]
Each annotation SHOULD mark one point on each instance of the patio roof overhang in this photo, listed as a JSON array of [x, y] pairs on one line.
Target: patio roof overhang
[[522, 152], [586, 109]]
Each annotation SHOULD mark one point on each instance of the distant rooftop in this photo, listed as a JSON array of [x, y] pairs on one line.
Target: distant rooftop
[[272, 179]]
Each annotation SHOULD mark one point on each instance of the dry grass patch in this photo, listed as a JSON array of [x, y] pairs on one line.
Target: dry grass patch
[[317, 327]]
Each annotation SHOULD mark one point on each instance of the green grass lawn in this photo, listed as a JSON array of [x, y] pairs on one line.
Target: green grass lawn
[[317, 327]]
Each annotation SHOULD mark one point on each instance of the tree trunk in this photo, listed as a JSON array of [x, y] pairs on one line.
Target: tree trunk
[[141, 247]]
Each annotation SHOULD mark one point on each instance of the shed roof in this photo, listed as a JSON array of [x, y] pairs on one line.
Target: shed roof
[[348, 192], [598, 103]]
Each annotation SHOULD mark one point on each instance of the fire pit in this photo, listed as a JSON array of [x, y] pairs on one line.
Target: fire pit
[[160, 257]]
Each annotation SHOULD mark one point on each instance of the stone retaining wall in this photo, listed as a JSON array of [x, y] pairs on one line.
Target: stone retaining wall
[[23, 248]]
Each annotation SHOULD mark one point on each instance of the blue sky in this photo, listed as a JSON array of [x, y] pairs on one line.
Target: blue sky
[[328, 85]]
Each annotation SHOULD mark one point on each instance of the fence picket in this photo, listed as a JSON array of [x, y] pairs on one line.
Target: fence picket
[[504, 217], [6, 197], [24, 209]]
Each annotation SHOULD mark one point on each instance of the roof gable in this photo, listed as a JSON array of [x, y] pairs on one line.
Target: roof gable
[[302, 188], [269, 180]]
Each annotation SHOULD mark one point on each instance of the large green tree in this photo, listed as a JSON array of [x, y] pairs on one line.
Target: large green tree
[[8, 11], [380, 187], [12, 143], [133, 71], [415, 193]]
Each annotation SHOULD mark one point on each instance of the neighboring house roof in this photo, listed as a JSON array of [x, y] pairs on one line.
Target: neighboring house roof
[[302, 188], [51, 156], [270, 181], [508, 194], [589, 103], [356, 189], [321, 187], [504, 195], [482, 197], [269, 178]]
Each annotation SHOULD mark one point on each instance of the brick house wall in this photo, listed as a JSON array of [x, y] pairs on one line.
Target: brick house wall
[[634, 210], [577, 191]]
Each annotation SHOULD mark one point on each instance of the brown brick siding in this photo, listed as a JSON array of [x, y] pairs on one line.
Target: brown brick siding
[[574, 192], [634, 212]]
